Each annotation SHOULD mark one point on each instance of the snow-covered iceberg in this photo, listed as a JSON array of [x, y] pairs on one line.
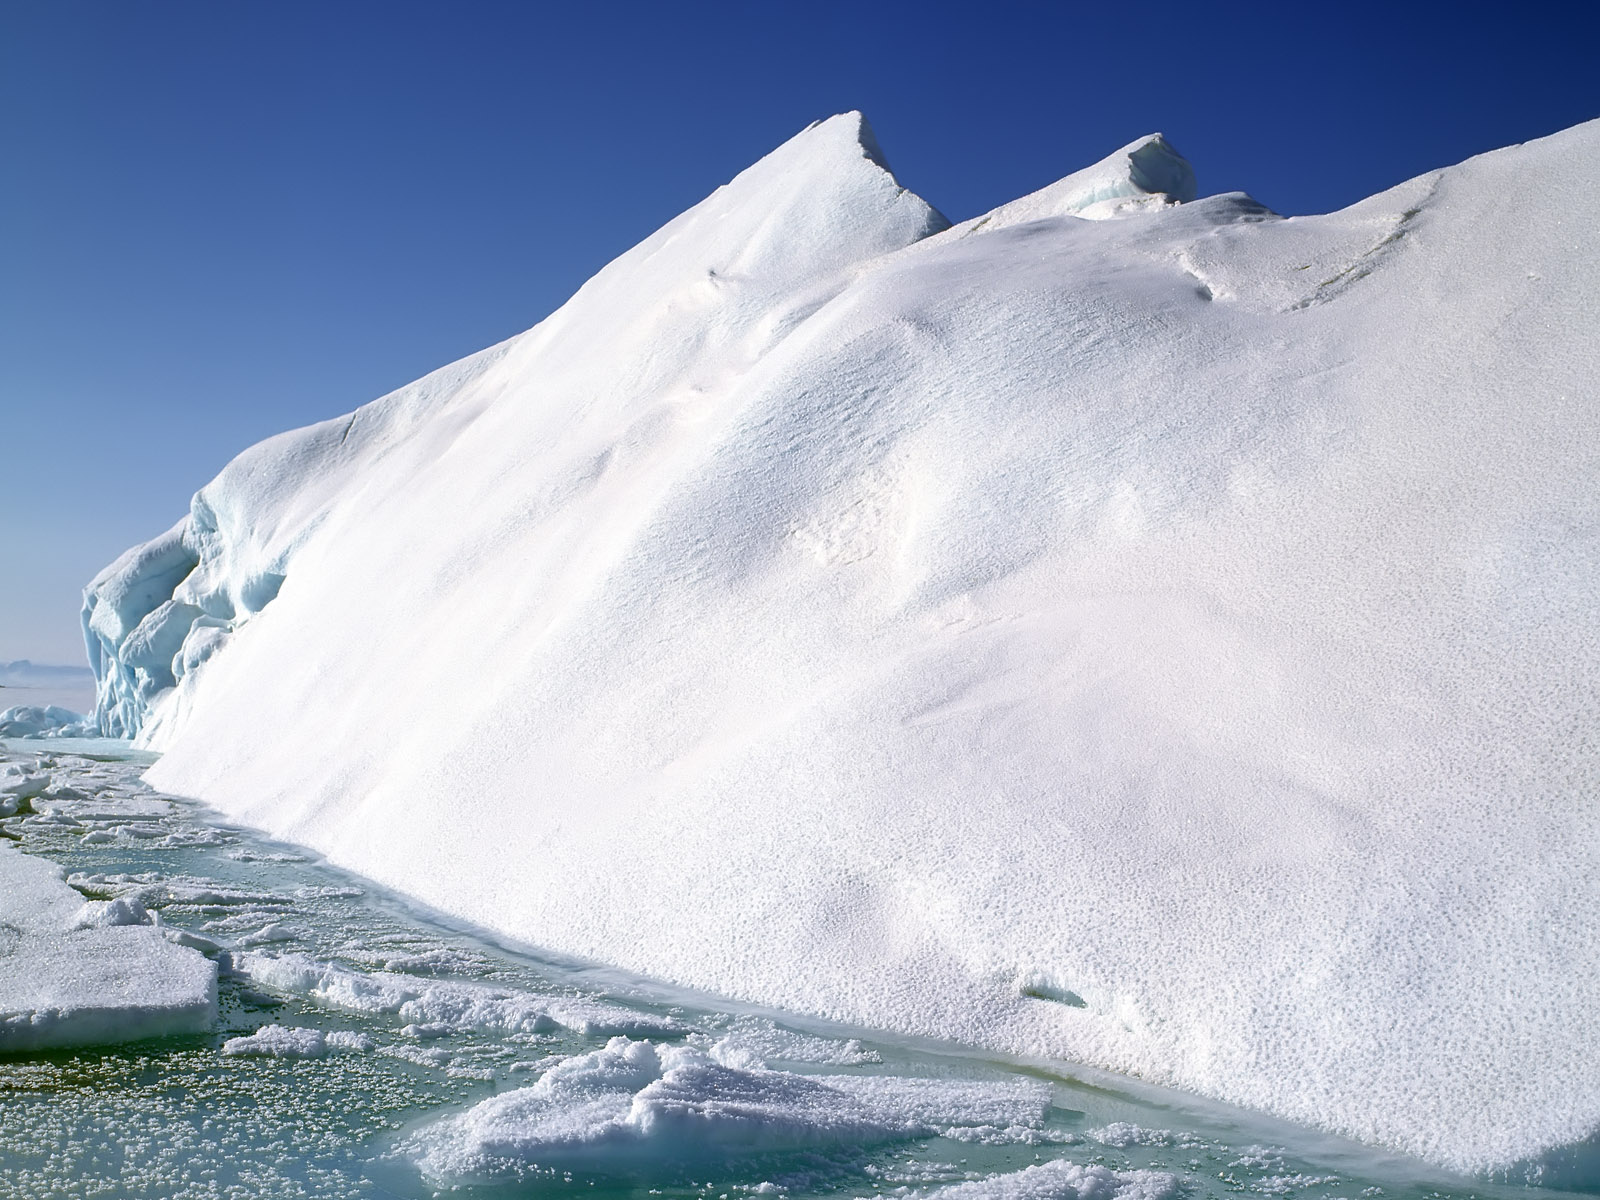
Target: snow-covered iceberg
[[1166, 641]]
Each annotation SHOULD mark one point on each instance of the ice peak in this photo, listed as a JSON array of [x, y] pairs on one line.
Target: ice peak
[[1157, 169], [846, 135], [1146, 174]]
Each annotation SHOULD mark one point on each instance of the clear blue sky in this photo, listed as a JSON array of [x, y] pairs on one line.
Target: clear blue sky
[[224, 219]]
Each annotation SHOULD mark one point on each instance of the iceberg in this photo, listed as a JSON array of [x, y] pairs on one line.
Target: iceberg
[[1131, 628], [47, 720]]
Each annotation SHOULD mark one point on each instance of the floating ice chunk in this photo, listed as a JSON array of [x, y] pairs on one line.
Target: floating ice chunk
[[283, 1041], [17, 785], [349, 1039], [302, 975], [182, 937], [640, 1103], [1062, 1180], [106, 914], [273, 931], [280, 1041], [66, 986], [437, 1029]]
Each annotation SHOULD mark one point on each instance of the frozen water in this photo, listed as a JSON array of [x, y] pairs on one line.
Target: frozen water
[[636, 1104], [1163, 642], [442, 1006], [73, 974]]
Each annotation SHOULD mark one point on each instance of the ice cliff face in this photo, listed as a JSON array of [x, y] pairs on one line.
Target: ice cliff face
[[1167, 642]]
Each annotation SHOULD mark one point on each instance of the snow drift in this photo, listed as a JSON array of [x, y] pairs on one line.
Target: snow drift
[[1166, 641]]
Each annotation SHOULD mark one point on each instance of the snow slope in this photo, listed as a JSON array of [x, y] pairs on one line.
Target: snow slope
[[1167, 641]]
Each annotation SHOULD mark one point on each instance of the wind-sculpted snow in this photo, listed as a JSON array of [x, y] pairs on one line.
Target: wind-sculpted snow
[[1165, 642]]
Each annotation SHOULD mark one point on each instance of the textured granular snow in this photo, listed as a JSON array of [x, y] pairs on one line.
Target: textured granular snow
[[1165, 641]]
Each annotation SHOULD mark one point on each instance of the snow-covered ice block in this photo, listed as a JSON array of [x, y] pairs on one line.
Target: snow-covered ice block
[[62, 985], [1162, 643], [635, 1104], [17, 784]]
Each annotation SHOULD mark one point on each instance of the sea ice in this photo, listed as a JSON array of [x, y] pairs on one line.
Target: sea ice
[[639, 1104], [76, 974], [281, 1041], [444, 1005]]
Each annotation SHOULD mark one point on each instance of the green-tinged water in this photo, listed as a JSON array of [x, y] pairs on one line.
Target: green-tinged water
[[181, 1118]]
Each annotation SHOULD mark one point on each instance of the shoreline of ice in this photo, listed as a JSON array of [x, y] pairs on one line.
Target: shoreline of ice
[[312, 985]]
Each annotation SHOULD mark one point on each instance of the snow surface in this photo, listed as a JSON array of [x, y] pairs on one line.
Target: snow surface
[[1166, 642], [77, 974]]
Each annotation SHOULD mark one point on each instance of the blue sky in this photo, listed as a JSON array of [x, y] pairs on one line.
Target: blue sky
[[222, 220]]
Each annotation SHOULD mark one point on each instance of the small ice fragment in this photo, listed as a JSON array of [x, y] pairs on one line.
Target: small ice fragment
[[274, 931], [104, 914], [433, 1029], [280, 1041], [349, 1039]]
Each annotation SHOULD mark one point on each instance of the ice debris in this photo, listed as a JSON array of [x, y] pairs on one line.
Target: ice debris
[[283, 1041], [439, 1005], [639, 1104]]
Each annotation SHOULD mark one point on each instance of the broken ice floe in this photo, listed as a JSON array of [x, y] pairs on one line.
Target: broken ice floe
[[642, 1104], [75, 974], [458, 1005]]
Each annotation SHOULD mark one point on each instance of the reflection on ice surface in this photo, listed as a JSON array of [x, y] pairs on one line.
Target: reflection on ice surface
[[358, 1047]]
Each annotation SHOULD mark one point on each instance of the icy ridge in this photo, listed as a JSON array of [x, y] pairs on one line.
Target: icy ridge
[[1152, 642], [808, 212]]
